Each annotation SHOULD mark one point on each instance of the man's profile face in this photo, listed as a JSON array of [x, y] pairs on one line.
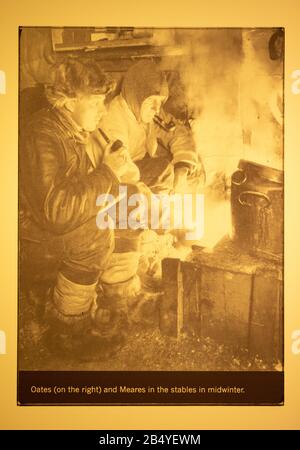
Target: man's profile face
[[151, 106], [88, 110]]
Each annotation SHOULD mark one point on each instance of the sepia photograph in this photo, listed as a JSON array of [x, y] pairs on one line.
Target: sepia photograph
[[151, 213]]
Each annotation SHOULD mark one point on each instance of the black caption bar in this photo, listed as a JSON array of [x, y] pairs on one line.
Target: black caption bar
[[144, 438], [165, 388]]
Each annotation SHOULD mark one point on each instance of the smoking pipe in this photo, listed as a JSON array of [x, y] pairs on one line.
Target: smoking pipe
[[115, 146], [163, 124]]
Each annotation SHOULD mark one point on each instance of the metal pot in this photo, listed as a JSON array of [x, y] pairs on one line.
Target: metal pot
[[257, 209]]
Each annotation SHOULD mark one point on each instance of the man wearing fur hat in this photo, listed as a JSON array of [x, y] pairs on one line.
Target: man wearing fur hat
[[160, 159], [59, 185]]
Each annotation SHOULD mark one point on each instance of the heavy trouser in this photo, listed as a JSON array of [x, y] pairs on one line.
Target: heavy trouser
[[121, 281], [74, 261]]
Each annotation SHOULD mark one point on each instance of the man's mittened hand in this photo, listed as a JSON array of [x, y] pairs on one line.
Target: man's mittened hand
[[115, 160], [180, 179]]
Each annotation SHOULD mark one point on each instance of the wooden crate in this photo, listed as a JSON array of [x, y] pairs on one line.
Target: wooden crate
[[231, 297]]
